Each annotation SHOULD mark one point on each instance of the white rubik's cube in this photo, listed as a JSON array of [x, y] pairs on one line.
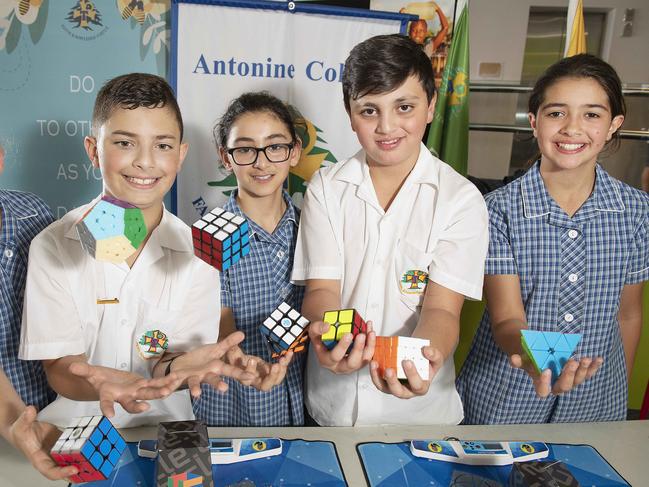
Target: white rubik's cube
[[92, 444], [390, 352], [221, 238], [285, 330]]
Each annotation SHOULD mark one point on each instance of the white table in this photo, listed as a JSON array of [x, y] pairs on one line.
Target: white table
[[624, 444]]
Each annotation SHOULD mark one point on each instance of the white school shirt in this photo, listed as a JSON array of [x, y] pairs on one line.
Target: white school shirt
[[436, 224], [167, 289]]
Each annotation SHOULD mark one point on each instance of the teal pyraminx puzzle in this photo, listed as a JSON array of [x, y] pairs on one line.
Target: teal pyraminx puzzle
[[549, 349]]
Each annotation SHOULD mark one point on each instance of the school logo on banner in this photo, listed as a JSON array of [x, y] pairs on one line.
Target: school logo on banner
[[457, 89], [414, 282], [84, 21]]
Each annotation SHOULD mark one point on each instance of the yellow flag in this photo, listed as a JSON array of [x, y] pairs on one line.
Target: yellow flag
[[575, 31]]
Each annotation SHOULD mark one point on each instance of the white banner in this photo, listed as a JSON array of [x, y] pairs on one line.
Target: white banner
[[223, 49]]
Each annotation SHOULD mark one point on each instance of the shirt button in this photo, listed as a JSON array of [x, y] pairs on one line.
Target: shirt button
[[123, 365], [573, 277], [568, 317], [124, 322], [9, 253], [280, 254], [573, 234]]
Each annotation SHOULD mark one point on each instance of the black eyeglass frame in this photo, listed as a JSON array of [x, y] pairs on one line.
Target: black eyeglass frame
[[290, 146]]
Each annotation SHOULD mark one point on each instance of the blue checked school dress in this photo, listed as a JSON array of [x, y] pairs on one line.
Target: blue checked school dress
[[24, 215], [253, 288], [572, 272]]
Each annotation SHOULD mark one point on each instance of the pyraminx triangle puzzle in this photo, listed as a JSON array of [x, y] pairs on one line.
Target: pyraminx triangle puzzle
[[549, 349], [92, 444]]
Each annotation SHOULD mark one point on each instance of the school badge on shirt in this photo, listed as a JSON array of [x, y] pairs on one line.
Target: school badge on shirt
[[414, 282], [152, 343]]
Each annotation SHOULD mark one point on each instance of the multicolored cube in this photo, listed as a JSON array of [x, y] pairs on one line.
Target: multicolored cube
[[221, 238], [285, 329], [92, 444], [549, 349], [185, 479], [112, 230], [390, 352], [342, 321]]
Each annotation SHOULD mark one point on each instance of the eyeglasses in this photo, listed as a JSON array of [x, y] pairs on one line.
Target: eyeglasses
[[245, 156]]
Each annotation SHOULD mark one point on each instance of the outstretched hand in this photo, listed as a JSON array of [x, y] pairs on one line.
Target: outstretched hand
[[415, 386], [130, 390], [338, 360], [265, 375], [35, 440], [573, 373], [205, 365]]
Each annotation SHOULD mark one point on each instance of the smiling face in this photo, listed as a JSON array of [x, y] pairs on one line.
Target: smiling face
[[573, 124], [263, 178], [390, 125], [139, 153]]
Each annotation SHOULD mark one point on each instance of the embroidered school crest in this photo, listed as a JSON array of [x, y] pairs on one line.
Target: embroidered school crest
[[152, 343], [414, 282]]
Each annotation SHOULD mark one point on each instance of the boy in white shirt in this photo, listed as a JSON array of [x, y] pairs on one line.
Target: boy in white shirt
[[83, 317], [367, 221]]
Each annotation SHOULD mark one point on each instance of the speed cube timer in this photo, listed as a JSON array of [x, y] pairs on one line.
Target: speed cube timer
[[549, 349], [112, 230], [390, 352], [92, 444], [342, 321], [285, 329], [221, 238]]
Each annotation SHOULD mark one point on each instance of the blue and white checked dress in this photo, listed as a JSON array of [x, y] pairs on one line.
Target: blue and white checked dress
[[253, 288], [572, 271], [24, 215]]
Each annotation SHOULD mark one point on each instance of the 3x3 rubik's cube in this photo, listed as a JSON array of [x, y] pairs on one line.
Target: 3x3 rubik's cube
[[112, 230], [221, 238], [92, 444], [285, 329]]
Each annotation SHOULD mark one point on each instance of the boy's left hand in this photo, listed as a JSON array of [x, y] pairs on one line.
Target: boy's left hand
[[416, 386]]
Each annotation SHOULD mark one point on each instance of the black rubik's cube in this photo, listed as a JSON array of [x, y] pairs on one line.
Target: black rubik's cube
[[342, 321], [221, 238], [285, 330], [92, 444]]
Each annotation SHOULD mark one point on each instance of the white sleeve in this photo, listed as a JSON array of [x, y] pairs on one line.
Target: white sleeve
[[459, 256], [51, 325], [201, 310], [318, 253]]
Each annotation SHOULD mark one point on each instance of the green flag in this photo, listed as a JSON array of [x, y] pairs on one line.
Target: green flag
[[449, 131]]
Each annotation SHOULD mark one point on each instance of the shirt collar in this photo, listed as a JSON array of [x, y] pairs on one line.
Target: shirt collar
[[14, 210], [290, 215], [537, 201], [425, 171]]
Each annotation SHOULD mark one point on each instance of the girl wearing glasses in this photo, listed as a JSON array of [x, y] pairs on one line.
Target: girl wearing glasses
[[257, 141]]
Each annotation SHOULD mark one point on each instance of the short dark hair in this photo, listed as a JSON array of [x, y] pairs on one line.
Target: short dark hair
[[382, 63], [252, 102], [582, 66], [131, 91]]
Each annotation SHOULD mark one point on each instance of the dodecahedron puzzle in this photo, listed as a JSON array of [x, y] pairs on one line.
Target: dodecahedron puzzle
[[342, 321], [112, 230], [92, 444], [541, 474], [549, 349], [221, 238], [183, 455], [390, 352], [285, 329]]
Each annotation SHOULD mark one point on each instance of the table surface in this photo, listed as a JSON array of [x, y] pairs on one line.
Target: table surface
[[625, 445]]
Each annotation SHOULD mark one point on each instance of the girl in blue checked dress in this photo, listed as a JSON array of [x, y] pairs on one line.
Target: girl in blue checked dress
[[568, 252], [257, 141]]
